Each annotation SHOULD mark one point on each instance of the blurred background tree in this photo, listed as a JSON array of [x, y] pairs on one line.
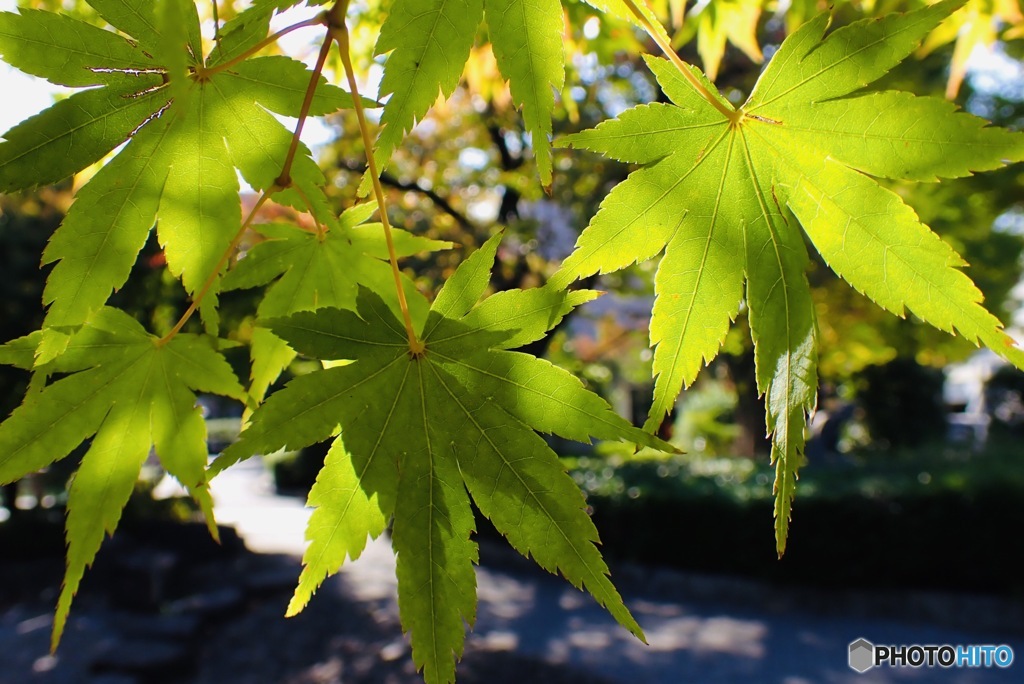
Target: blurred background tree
[[467, 170], [878, 467]]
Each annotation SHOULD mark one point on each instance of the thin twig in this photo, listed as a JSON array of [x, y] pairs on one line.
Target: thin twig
[[205, 289], [283, 181], [684, 68], [339, 31], [216, 69], [439, 200]]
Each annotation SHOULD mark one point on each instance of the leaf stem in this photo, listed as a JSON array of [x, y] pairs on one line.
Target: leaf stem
[[321, 229], [285, 179], [216, 69], [684, 68], [205, 289], [339, 31]]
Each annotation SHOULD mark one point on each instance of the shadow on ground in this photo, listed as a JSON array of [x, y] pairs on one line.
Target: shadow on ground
[[165, 605], [168, 606]]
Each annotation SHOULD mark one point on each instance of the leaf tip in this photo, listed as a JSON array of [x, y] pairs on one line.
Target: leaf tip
[[295, 606], [60, 617], [781, 536]]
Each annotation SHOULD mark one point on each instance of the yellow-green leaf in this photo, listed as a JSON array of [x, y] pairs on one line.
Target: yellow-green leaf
[[725, 192]]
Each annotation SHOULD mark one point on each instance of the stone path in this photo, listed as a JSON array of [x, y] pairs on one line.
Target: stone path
[[711, 630], [216, 618]]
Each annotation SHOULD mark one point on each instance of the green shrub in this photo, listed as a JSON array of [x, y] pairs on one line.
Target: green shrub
[[902, 403], [926, 519]]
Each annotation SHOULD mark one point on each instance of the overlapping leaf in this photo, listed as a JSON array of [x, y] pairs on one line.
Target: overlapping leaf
[[131, 394], [188, 130], [978, 24], [418, 431], [722, 191], [250, 26], [429, 41], [311, 271], [713, 23]]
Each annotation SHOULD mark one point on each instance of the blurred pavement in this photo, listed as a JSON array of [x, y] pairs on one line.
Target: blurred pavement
[[708, 631]]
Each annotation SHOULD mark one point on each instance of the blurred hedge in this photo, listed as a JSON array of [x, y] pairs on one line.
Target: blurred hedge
[[923, 520]]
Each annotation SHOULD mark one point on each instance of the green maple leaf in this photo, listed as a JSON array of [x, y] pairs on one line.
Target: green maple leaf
[[723, 193], [129, 392], [429, 42], [187, 132], [418, 431], [250, 26], [311, 271], [978, 24], [714, 23]]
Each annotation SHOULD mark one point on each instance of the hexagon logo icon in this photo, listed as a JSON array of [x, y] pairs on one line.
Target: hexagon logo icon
[[862, 655]]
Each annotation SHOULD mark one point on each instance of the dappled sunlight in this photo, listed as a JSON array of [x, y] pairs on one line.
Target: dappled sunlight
[[505, 597], [536, 615], [641, 608], [496, 640], [718, 634], [244, 499], [699, 629], [589, 639], [372, 576], [682, 645]]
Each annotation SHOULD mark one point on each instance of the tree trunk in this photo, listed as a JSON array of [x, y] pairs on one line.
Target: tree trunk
[[750, 414]]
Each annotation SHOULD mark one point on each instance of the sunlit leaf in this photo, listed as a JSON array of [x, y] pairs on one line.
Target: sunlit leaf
[[455, 423], [725, 191]]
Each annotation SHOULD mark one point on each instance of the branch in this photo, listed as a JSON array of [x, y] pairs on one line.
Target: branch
[[666, 47], [338, 31], [392, 182], [269, 40], [508, 162], [283, 182]]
